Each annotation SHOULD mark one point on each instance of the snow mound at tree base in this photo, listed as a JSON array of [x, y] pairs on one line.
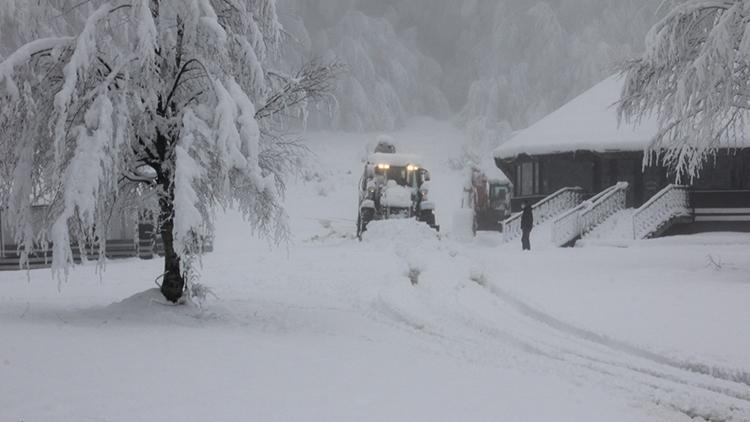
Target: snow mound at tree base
[[151, 306]]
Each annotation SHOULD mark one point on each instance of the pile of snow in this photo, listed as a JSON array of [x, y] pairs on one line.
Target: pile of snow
[[463, 225], [396, 196], [617, 230], [150, 307], [400, 230], [726, 239]]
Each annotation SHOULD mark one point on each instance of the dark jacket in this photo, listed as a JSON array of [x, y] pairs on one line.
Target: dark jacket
[[527, 219]]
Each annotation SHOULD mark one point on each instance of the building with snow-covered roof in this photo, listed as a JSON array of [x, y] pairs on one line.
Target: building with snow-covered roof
[[582, 144]]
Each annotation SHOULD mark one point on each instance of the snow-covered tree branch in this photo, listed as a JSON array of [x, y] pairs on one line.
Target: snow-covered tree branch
[[694, 78], [157, 93], [312, 82]]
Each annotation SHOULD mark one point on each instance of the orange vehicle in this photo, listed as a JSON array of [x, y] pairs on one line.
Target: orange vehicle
[[489, 198]]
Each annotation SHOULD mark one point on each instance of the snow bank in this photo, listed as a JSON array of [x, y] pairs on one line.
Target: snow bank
[[150, 307], [397, 196], [400, 230], [463, 222], [617, 230]]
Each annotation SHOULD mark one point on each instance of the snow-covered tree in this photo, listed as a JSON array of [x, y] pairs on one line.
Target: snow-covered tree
[[171, 104], [694, 79], [387, 81]]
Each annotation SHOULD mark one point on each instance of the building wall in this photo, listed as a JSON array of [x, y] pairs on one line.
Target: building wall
[[568, 171], [729, 169], [724, 182]]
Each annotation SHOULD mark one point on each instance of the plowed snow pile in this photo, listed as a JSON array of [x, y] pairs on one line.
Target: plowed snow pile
[[400, 230]]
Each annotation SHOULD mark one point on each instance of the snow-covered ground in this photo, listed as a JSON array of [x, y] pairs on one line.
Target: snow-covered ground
[[405, 325]]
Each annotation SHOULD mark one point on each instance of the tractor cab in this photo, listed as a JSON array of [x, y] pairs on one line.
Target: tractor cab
[[500, 193], [403, 169]]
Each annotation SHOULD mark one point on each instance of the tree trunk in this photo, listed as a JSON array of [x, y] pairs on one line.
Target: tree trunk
[[173, 283]]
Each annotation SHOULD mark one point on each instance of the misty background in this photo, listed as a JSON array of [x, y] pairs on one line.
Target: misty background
[[491, 66], [494, 66]]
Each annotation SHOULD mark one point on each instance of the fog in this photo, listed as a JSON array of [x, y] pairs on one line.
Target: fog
[[494, 65]]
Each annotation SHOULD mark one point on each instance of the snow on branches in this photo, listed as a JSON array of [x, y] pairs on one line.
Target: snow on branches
[[161, 94], [694, 78]]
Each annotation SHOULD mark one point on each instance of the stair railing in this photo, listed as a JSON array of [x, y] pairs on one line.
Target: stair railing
[[589, 214], [606, 206], [544, 210], [670, 203]]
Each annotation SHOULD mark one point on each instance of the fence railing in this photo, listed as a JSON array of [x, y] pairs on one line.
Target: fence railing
[[589, 214], [672, 202], [544, 210], [41, 256]]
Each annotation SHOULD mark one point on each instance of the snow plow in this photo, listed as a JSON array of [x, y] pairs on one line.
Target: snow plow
[[394, 186], [489, 199]]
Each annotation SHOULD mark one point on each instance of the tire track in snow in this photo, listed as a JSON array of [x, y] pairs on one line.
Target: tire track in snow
[[467, 330], [736, 376], [400, 315], [679, 380], [627, 368]]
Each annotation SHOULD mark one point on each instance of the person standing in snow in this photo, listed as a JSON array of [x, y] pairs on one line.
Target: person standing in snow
[[527, 223]]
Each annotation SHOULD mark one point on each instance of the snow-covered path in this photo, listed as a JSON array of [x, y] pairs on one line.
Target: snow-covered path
[[330, 328]]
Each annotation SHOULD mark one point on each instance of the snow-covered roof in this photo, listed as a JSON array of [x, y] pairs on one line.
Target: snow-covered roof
[[494, 174], [397, 160], [589, 122]]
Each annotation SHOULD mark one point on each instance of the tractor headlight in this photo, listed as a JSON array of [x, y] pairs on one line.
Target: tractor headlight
[[384, 166], [412, 167]]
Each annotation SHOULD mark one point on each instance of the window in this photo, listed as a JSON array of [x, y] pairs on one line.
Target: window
[[527, 179], [498, 195]]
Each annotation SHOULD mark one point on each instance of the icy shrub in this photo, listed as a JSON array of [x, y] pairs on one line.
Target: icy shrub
[[199, 293], [479, 277], [413, 274]]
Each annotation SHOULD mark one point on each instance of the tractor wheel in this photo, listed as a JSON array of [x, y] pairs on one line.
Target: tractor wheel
[[365, 216], [428, 217]]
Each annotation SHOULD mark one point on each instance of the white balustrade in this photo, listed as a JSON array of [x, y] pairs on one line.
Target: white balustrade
[[544, 210], [566, 227], [605, 207], [582, 219], [672, 202]]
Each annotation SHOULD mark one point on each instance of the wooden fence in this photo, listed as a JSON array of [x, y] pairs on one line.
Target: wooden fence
[[147, 246]]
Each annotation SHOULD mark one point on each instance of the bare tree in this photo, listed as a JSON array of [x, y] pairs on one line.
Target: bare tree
[[171, 102]]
